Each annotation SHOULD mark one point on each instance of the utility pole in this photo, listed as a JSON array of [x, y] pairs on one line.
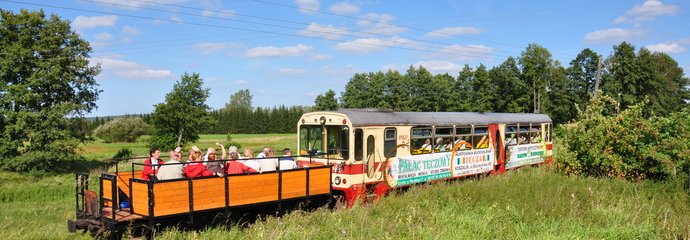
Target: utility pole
[[596, 83]]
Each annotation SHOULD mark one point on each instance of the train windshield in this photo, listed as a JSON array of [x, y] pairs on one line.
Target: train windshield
[[324, 141]]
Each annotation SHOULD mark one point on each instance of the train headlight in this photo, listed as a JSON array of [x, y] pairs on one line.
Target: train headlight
[[337, 180]]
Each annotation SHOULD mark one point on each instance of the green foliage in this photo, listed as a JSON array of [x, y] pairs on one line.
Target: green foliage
[[183, 114], [260, 120], [46, 86], [240, 99], [626, 145], [122, 130], [326, 101], [123, 153]]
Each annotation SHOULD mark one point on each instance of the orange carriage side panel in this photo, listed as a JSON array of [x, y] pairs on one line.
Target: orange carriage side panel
[[123, 180], [209, 193], [294, 184], [319, 181], [140, 198], [106, 186], [170, 198], [255, 188]]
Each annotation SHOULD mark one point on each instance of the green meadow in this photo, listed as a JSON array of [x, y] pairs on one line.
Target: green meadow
[[529, 203]]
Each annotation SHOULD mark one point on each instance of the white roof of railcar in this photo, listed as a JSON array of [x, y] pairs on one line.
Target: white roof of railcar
[[379, 117]]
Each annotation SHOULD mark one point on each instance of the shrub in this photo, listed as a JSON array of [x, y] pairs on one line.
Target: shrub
[[54, 157], [625, 145], [123, 153], [122, 130]]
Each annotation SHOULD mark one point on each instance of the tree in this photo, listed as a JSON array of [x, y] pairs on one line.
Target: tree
[[536, 64], [512, 91], [240, 99], [622, 79], [46, 87], [183, 114], [326, 101]]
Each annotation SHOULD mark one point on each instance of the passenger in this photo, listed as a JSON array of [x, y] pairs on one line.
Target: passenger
[[439, 143], [151, 164], [512, 140], [426, 148], [214, 150], [172, 169], [213, 164], [268, 163], [195, 168], [235, 166], [250, 161], [286, 162]]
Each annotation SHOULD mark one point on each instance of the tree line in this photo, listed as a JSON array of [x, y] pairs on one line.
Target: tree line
[[532, 82]]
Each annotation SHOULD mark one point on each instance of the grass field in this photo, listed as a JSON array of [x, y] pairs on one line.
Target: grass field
[[531, 203]]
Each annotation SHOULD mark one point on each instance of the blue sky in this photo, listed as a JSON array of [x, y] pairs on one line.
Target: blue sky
[[287, 52]]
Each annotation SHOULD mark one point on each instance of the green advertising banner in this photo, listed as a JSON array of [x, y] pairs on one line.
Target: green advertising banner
[[521, 155]]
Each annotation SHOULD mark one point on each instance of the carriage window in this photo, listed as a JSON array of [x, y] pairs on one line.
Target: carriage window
[[548, 132], [480, 138], [463, 139], [359, 139], [535, 133], [511, 135], [338, 142], [523, 133], [421, 140], [444, 139], [389, 142]]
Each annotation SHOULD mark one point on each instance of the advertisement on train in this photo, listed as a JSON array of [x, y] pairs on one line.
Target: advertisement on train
[[413, 169], [521, 155]]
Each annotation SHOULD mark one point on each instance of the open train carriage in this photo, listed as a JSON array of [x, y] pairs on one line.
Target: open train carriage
[[127, 201]]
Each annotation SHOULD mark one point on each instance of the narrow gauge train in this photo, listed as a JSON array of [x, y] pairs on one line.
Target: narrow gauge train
[[350, 153]]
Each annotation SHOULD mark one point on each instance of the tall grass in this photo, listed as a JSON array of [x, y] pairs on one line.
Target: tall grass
[[530, 203]]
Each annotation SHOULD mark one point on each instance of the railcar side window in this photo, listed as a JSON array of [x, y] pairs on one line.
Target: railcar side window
[[535, 133], [444, 139], [511, 135], [548, 132], [523, 133], [389, 142], [421, 140], [463, 139], [359, 139], [480, 138]]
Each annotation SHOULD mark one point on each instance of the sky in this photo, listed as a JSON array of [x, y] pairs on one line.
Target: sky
[[288, 52]]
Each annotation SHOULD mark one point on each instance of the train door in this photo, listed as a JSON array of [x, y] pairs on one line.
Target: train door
[[372, 158]]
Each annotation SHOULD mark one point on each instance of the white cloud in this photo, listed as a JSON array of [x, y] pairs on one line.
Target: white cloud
[[131, 70], [452, 31], [347, 70], [84, 22], [440, 66], [667, 47], [614, 35], [292, 51], [367, 45], [344, 8], [130, 30], [647, 11], [137, 4], [176, 19], [104, 36], [308, 6], [380, 24], [320, 57], [466, 52], [292, 71], [218, 13], [242, 82], [211, 47], [326, 31]]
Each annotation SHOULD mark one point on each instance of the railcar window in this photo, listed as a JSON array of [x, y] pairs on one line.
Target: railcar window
[[535, 133], [310, 139], [548, 132], [463, 139], [523, 134], [480, 138], [444, 139], [338, 142], [421, 140], [511, 135], [359, 139], [389, 142]]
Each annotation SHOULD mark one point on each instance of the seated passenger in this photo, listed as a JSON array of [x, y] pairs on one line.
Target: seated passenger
[[151, 164], [512, 140], [286, 162], [439, 144], [426, 148], [172, 169], [250, 162], [264, 152], [212, 163], [195, 168], [268, 163], [234, 166]]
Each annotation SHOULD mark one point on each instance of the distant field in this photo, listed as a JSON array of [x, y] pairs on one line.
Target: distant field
[[98, 150], [532, 203]]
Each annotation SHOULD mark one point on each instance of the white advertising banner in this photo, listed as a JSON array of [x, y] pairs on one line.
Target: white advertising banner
[[472, 162], [520, 155]]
